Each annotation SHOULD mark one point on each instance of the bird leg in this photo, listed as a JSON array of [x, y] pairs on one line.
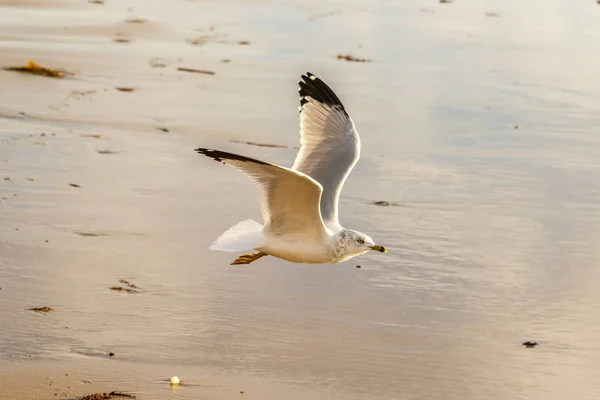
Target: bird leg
[[248, 258]]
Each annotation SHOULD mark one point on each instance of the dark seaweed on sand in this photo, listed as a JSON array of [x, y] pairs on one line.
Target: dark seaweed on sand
[[129, 287], [35, 69], [42, 309], [197, 71], [348, 57], [106, 396]]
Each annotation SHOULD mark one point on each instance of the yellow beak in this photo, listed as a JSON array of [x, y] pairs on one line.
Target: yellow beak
[[379, 248]]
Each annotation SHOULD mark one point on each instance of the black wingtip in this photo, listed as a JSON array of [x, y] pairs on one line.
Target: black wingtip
[[313, 87], [206, 152], [221, 156]]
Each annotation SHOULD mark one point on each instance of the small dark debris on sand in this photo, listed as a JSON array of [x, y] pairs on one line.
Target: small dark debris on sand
[[35, 69], [348, 57], [199, 41], [111, 354], [517, 126], [96, 1], [106, 396], [41, 309], [163, 130], [198, 71], [106, 151], [124, 289], [129, 287], [121, 39], [125, 89], [446, 1], [358, 266], [226, 60], [382, 203], [491, 14], [529, 344], [74, 185], [136, 20], [244, 42], [90, 234], [92, 135], [278, 146], [126, 282]]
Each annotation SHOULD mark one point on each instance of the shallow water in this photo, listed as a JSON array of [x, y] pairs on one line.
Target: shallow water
[[482, 130]]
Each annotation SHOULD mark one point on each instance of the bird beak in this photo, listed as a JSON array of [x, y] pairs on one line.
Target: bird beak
[[379, 248]]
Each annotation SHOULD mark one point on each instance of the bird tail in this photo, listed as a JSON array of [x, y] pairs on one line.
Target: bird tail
[[245, 235]]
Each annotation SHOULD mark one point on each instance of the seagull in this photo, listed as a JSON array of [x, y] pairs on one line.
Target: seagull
[[299, 205]]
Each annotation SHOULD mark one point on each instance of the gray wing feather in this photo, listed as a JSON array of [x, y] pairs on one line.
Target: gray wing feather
[[289, 200], [330, 145]]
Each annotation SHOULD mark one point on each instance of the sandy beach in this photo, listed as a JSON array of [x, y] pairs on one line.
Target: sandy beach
[[479, 128]]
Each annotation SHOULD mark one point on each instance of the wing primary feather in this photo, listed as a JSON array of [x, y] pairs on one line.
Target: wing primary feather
[[219, 156], [313, 87], [330, 145], [289, 200]]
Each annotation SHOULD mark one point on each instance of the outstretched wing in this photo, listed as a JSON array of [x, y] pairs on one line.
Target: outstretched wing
[[289, 200], [330, 145]]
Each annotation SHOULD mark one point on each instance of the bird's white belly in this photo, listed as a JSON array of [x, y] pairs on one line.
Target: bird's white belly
[[299, 251]]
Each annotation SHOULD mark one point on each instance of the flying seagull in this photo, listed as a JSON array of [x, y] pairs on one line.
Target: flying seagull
[[299, 205]]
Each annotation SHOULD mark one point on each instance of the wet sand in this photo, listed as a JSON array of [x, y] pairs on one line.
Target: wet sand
[[478, 124]]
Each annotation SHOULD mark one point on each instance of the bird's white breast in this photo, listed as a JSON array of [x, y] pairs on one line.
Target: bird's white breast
[[300, 249]]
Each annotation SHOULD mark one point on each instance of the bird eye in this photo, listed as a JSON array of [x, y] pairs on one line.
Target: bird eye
[[360, 241]]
